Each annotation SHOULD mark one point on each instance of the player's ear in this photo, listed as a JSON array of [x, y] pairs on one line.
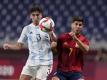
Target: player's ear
[[41, 16], [72, 25], [30, 16]]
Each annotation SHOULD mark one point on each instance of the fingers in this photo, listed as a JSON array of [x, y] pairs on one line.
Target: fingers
[[73, 36], [65, 45], [5, 46], [55, 78], [53, 44]]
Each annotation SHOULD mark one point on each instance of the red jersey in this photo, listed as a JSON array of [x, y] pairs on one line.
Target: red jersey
[[71, 58]]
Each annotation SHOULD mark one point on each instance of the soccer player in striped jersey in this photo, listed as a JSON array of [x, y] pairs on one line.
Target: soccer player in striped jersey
[[40, 60]]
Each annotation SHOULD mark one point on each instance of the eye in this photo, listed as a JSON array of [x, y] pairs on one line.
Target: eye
[[35, 14], [80, 24], [76, 23]]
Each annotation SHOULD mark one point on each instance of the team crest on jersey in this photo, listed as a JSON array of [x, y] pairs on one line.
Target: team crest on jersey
[[76, 45]]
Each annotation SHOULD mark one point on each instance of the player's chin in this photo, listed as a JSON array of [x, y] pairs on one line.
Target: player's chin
[[78, 32]]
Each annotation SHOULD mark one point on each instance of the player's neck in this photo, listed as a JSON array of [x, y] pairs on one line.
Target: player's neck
[[35, 23], [74, 32]]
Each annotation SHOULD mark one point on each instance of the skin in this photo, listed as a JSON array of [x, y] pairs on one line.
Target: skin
[[35, 17], [18, 46], [76, 27]]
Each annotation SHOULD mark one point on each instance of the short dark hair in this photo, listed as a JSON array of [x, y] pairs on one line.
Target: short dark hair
[[77, 18], [36, 8]]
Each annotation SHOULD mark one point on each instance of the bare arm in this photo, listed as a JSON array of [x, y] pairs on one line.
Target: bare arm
[[16, 46], [54, 46], [52, 36], [83, 47]]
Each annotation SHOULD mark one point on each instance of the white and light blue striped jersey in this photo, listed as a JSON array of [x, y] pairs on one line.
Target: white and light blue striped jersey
[[39, 45]]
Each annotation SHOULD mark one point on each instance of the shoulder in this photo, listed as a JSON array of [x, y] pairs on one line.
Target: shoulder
[[63, 36], [27, 27], [83, 38]]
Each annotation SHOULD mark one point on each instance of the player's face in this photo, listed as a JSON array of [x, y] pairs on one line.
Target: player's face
[[36, 16], [77, 26]]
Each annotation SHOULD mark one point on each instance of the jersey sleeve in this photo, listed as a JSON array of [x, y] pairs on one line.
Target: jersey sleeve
[[23, 36], [86, 41]]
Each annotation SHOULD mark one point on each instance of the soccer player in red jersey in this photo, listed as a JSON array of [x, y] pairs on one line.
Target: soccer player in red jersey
[[71, 47]]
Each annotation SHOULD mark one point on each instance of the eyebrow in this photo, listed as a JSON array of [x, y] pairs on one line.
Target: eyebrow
[[35, 14]]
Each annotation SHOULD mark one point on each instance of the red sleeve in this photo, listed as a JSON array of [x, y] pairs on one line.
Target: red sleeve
[[86, 41]]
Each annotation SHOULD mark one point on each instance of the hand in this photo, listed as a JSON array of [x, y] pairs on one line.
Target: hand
[[55, 78], [53, 36], [51, 30], [73, 35], [66, 45], [54, 44], [6, 46]]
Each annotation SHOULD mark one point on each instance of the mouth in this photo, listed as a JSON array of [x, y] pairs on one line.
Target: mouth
[[77, 31]]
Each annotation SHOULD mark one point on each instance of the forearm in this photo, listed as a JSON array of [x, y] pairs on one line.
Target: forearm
[[16, 46], [54, 46], [82, 46], [52, 36]]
